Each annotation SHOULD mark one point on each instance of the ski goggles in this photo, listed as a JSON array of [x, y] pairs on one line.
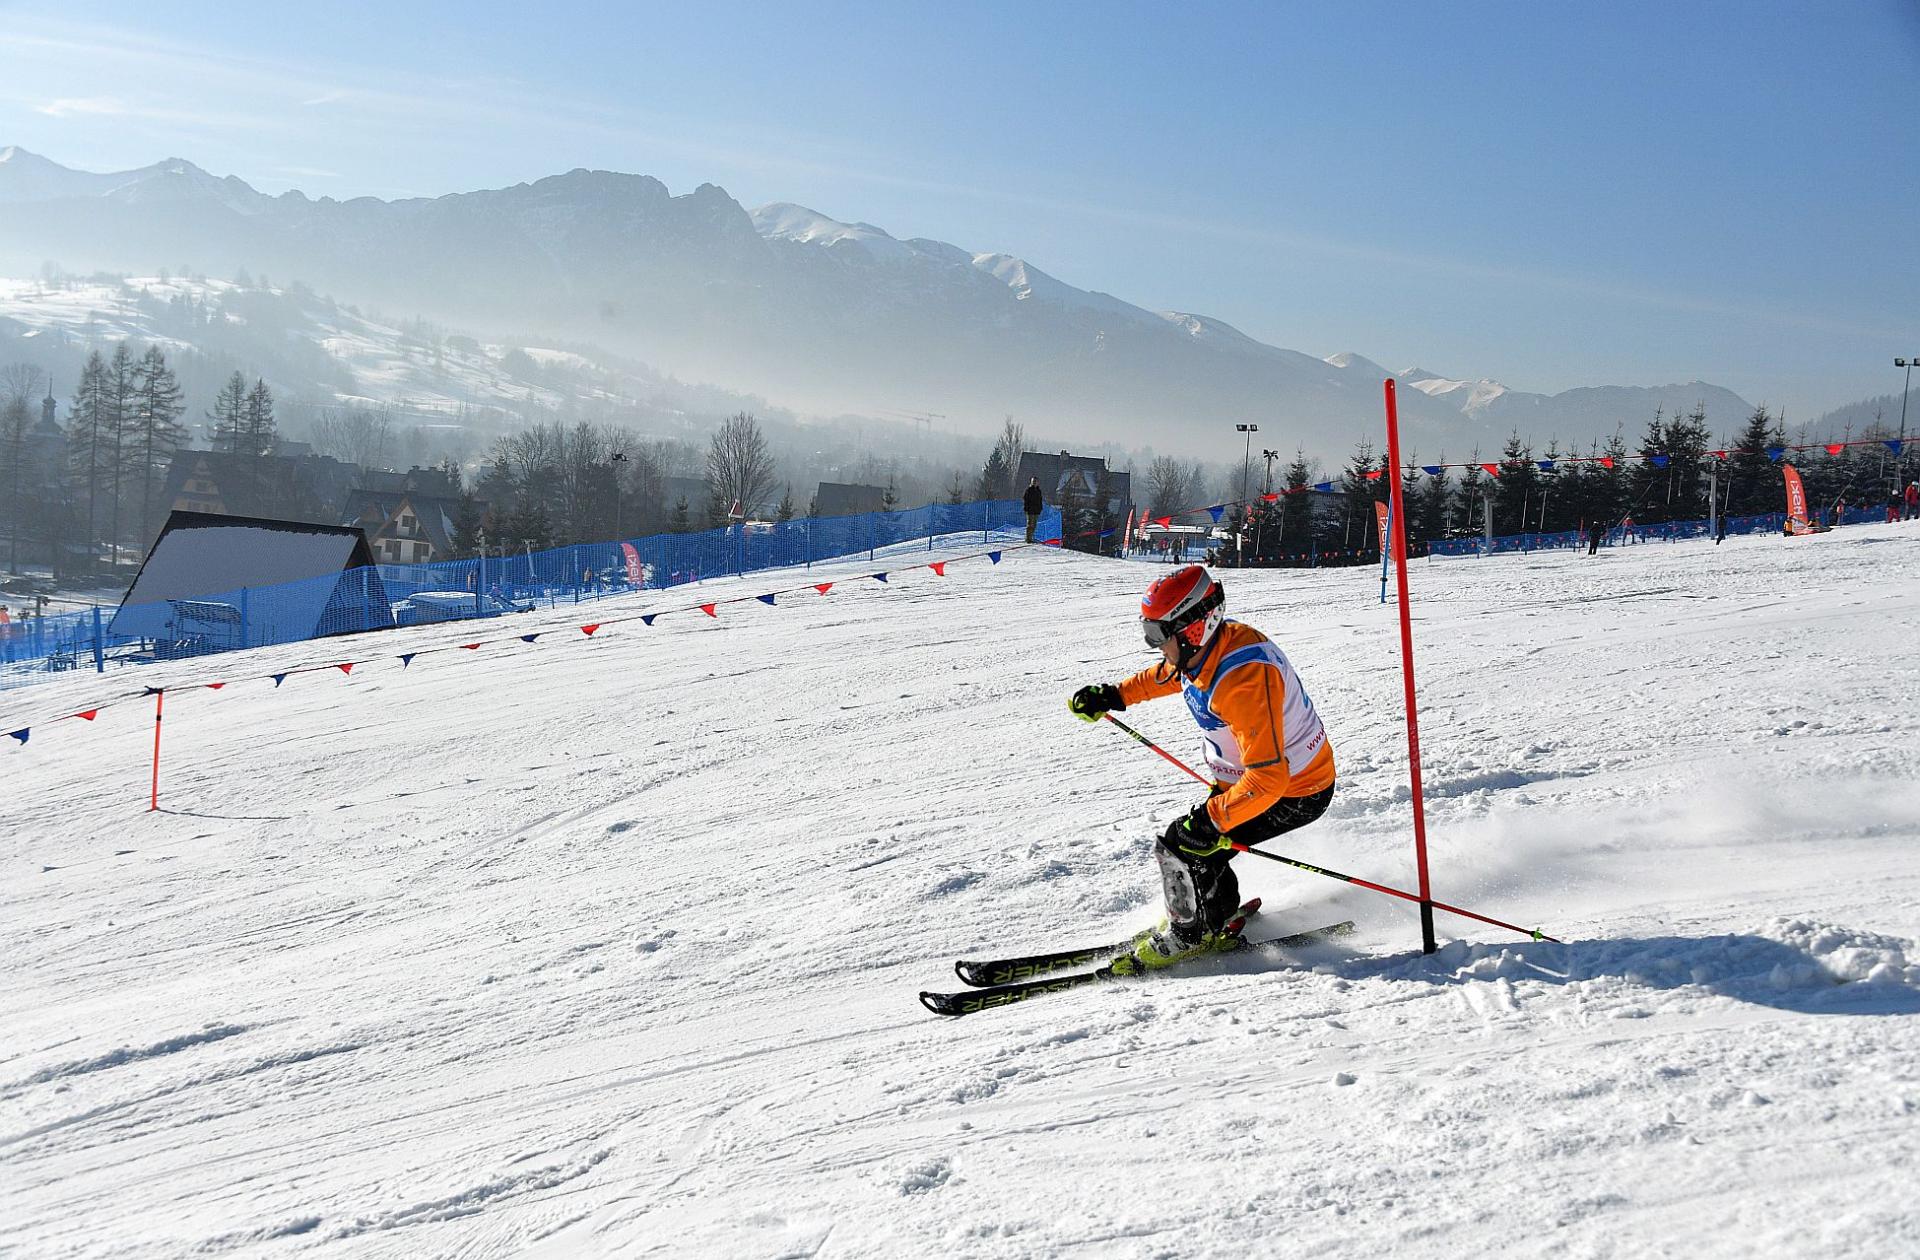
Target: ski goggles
[[1158, 632]]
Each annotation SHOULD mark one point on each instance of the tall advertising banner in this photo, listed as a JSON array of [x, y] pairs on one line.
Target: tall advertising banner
[[1380, 521], [635, 573], [1797, 521]]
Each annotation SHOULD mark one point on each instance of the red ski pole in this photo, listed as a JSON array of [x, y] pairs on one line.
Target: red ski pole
[[1535, 933]]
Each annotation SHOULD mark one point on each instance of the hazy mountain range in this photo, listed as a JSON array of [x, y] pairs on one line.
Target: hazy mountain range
[[807, 310]]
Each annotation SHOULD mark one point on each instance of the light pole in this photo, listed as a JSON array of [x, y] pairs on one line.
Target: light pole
[[1246, 471], [1900, 467], [619, 458]]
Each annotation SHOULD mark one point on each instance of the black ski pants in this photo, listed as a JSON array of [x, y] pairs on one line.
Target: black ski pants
[[1203, 893]]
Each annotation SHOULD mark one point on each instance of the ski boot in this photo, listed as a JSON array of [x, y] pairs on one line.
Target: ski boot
[[1161, 946]]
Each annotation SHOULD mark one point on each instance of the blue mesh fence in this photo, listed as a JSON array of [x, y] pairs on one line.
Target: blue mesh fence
[[417, 594], [1666, 531]]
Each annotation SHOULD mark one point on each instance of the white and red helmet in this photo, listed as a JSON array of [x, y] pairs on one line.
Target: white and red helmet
[[1186, 603]]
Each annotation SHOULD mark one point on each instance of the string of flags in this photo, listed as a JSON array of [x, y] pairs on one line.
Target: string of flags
[[710, 608], [1492, 469]]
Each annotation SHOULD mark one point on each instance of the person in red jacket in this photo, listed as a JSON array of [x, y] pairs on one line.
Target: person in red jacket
[[1271, 760]]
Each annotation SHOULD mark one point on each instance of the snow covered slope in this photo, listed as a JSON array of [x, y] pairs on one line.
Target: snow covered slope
[[610, 945]]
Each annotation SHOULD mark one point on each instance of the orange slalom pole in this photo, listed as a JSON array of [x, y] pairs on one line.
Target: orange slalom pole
[[159, 697], [1397, 522]]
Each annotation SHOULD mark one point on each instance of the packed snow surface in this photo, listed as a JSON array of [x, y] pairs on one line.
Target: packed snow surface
[[610, 945]]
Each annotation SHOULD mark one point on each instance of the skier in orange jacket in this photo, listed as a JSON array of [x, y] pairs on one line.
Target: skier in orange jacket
[[1271, 760]]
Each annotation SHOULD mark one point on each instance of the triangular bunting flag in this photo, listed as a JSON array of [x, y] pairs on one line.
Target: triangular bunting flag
[[22, 733], [588, 630], [1894, 445], [994, 556], [1050, 542], [215, 686], [1775, 452], [1270, 497], [765, 599], [152, 691], [1374, 475], [878, 577], [1606, 461], [1834, 448], [86, 715], [823, 587], [1493, 470], [1163, 521], [406, 658], [939, 568], [528, 638], [470, 647], [708, 609], [1215, 513], [1718, 454], [345, 667], [278, 679], [646, 619], [1432, 470], [1323, 486], [1660, 461], [1546, 465]]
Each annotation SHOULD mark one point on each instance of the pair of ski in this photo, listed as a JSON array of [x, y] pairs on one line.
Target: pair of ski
[[1001, 981]]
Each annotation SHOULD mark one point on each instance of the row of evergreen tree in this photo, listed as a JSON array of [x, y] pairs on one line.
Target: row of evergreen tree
[[123, 426], [1607, 484]]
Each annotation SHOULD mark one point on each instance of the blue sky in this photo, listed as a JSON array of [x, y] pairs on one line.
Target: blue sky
[[1547, 194]]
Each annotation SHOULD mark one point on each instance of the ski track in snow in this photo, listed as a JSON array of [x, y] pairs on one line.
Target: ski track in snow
[[611, 945]]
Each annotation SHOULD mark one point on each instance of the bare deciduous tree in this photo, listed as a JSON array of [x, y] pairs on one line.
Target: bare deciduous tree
[[739, 466]]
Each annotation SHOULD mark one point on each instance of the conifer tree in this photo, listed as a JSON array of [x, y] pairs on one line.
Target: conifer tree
[[156, 428], [86, 440], [229, 415]]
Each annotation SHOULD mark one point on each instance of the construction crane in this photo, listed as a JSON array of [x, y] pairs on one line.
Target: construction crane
[[924, 419]]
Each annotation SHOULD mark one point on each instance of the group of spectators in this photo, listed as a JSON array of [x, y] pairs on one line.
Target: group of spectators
[[1904, 507]]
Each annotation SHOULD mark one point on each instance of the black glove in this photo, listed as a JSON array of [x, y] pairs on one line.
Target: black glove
[[1193, 833], [1089, 703]]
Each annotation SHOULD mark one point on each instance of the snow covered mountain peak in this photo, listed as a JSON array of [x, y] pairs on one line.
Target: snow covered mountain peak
[[785, 221]]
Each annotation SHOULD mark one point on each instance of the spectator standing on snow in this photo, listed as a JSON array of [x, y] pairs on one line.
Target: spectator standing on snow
[[1271, 760], [1913, 500], [1595, 532], [1032, 501]]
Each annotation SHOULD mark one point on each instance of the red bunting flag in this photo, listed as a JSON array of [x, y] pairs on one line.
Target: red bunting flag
[[345, 667], [1375, 474], [939, 568], [1718, 454], [1606, 461], [708, 609], [588, 630], [1050, 542], [1163, 521], [471, 647], [823, 587], [1270, 497], [1834, 448], [215, 686], [86, 715], [1493, 470]]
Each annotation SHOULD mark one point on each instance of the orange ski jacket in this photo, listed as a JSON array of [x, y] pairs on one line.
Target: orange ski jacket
[[1260, 735]]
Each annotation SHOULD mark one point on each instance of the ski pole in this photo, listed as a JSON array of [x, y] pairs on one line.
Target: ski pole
[[1535, 933], [1163, 752]]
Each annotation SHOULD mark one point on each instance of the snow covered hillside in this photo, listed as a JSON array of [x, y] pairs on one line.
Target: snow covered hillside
[[310, 348], [610, 945]]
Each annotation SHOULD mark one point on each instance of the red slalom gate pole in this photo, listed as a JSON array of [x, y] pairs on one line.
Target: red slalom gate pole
[[1399, 528], [159, 697]]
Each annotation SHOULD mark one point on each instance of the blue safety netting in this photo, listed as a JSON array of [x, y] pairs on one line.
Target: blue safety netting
[[389, 595], [1622, 536]]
